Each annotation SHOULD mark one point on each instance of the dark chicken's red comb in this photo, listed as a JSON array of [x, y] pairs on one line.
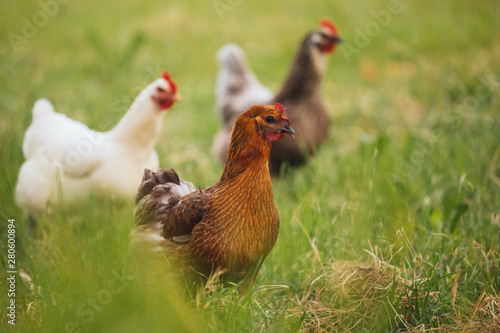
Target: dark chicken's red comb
[[280, 108], [168, 78], [327, 24]]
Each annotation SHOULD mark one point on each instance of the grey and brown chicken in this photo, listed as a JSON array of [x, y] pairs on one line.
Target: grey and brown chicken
[[237, 87]]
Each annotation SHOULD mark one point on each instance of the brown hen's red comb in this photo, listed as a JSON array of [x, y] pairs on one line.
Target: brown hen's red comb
[[280, 108], [327, 24], [168, 78]]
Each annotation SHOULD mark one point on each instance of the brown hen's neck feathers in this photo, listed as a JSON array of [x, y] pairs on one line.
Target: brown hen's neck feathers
[[247, 151], [305, 74]]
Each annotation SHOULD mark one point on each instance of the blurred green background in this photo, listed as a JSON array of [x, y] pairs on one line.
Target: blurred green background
[[393, 225]]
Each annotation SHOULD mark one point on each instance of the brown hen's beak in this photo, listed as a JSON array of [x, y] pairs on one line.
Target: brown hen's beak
[[288, 130]]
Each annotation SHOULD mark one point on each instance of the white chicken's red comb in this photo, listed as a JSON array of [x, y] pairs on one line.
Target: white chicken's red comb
[[168, 78], [328, 25]]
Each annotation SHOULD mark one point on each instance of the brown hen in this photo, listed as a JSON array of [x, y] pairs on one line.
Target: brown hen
[[227, 229]]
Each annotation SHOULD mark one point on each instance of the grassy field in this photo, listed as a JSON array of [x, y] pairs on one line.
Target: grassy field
[[392, 226]]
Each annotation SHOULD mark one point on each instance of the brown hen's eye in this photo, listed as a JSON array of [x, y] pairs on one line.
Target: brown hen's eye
[[270, 120], [159, 89]]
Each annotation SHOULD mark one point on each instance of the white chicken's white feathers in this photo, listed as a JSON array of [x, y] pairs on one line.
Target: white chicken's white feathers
[[37, 135], [41, 107]]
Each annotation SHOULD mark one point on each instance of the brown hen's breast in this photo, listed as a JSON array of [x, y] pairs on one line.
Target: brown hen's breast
[[239, 231]]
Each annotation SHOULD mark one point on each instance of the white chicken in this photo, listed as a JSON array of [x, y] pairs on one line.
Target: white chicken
[[66, 161]]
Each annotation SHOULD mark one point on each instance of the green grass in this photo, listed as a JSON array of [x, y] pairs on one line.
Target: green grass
[[393, 225]]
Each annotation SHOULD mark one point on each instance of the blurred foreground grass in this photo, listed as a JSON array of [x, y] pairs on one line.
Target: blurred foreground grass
[[394, 224]]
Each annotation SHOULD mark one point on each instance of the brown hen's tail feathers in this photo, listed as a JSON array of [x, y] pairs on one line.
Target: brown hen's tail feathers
[[157, 190], [151, 178]]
